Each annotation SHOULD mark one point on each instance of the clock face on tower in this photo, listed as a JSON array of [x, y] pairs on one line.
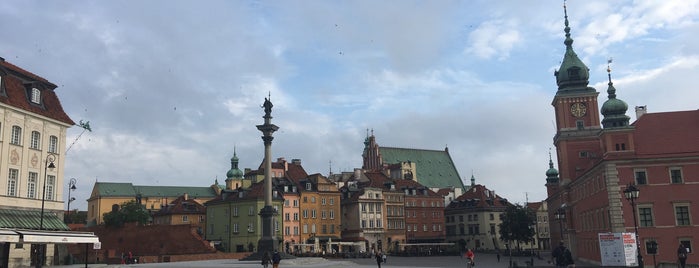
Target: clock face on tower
[[578, 109]]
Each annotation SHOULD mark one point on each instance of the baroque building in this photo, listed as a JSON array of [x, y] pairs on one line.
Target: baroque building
[[473, 219], [599, 159], [33, 129]]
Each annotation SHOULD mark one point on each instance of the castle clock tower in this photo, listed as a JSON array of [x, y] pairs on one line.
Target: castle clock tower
[[577, 114]]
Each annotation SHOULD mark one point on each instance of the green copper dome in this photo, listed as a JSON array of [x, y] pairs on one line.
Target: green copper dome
[[551, 173], [573, 74], [234, 172], [614, 110]]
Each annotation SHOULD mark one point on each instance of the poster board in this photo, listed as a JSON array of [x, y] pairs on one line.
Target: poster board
[[618, 249]]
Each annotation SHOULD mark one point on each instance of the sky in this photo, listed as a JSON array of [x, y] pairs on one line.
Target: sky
[[170, 88]]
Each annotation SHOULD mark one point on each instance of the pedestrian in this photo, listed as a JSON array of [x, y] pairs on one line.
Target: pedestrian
[[379, 259], [384, 257], [470, 257], [276, 258], [562, 256], [682, 255], [266, 259], [498, 255]]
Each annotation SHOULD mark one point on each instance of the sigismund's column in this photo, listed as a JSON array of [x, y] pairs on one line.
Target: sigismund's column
[[268, 242]]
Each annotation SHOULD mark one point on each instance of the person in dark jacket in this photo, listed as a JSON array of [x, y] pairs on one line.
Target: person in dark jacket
[[682, 255], [266, 259], [562, 256], [276, 258], [379, 258]]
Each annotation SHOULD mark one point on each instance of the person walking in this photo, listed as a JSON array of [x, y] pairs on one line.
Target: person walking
[[562, 256], [266, 259], [682, 255], [379, 258], [276, 259], [498, 255]]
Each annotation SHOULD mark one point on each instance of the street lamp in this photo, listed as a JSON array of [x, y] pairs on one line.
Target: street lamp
[[631, 193], [561, 216], [71, 187], [48, 164]]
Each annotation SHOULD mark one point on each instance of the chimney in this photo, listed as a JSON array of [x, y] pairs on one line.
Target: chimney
[[296, 161], [186, 196], [640, 111]]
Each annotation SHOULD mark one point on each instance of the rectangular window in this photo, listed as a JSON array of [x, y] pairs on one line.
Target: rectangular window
[[313, 213], [323, 201], [235, 211], [201, 218], [12, 182], [323, 214], [645, 216], [16, 136], [31, 184], [640, 176], [305, 213], [363, 223], [53, 144], [676, 175], [324, 229], [251, 211], [332, 201], [251, 228], [36, 140], [332, 214], [580, 124], [185, 218], [313, 228], [287, 217], [296, 216], [332, 229], [287, 230], [50, 186], [682, 215], [296, 203], [296, 230], [378, 207]]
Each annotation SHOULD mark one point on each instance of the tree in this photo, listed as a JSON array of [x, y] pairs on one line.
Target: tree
[[130, 211], [516, 224]]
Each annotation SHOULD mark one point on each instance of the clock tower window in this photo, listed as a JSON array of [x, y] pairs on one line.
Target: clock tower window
[[580, 124]]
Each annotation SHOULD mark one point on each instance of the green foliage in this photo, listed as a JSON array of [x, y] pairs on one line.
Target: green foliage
[[518, 224], [129, 211]]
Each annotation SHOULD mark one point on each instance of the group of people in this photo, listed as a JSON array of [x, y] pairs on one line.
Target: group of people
[[268, 258], [563, 258]]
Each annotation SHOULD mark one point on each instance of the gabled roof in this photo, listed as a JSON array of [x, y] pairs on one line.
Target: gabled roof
[[435, 168], [182, 206], [127, 189], [668, 133], [15, 84], [477, 197]]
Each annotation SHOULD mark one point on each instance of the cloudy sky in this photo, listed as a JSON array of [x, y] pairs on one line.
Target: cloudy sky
[[171, 87]]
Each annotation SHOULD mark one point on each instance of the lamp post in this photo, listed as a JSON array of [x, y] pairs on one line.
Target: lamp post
[[631, 194], [48, 164], [561, 216], [71, 187]]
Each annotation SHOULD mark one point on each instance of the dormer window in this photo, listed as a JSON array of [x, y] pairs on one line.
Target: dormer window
[[36, 96], [308, 186]]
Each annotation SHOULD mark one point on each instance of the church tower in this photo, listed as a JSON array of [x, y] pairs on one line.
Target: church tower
[[577, 117]]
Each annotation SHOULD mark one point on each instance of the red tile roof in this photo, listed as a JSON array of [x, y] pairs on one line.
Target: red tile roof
[[479, 197], [182, 206], [668, 133], [15, 85]]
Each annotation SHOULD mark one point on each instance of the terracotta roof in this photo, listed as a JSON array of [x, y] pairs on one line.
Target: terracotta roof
[[444, 191], [182, 206], [479, 197], [668, 133], [17, 83], [534, 206]]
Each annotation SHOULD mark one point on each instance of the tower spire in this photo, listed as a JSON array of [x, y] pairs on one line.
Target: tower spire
[[613, 110], [573, 75]]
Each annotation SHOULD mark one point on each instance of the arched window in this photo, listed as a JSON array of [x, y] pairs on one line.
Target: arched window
[[36, 140], [16, 137], [36, 95]]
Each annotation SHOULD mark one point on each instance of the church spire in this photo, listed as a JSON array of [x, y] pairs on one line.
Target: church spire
[[551, 173], [573, 74], [613, 110]]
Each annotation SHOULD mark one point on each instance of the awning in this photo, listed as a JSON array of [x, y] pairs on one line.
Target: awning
[[56, 237], [8, 236]]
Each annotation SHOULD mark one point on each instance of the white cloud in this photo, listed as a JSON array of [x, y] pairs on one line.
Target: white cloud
[[493, 39]]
